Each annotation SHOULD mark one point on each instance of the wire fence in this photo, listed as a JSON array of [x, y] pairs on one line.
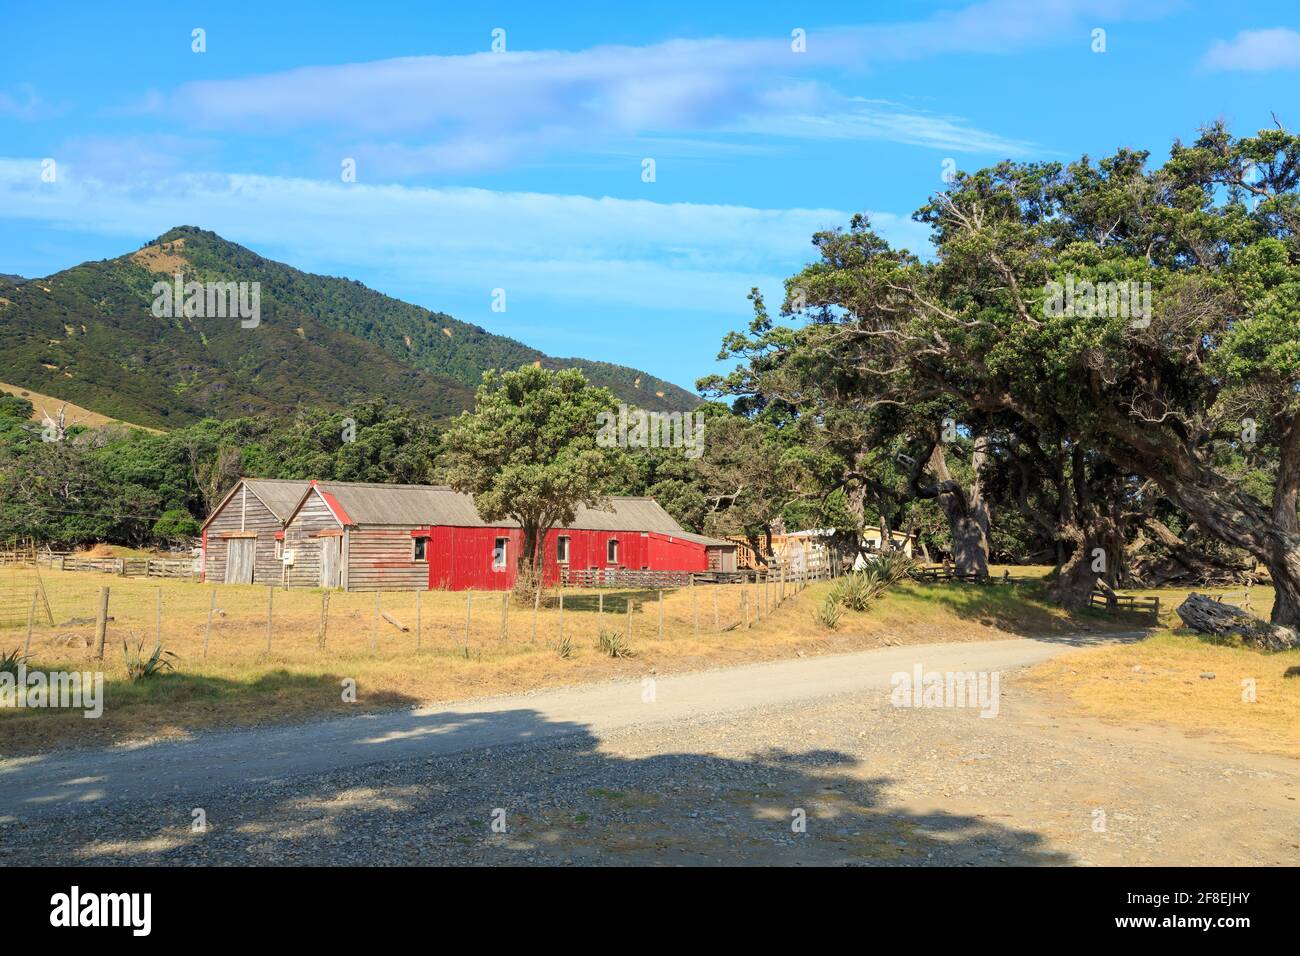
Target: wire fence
[[93, 615]]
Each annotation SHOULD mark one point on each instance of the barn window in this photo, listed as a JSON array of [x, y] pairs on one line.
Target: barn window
[[611, 551], [562, 549], [499, 554], [419, 549], [279, 549]]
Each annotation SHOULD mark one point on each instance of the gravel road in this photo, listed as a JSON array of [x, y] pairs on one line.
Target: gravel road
[[797, 762]]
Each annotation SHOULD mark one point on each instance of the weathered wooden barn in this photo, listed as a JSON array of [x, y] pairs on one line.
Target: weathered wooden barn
[[242, 537], [367, 537]]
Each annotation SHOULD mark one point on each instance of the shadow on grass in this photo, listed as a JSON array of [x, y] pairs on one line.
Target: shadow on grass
[[615, 602], [426, 787], [178, 701], [1025, 609]]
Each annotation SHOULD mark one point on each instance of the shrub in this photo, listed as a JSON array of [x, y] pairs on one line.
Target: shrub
[[856, 591], [892, 567], [829, 613], [614, 644], [564, 648], [9, 663], [139, 667]]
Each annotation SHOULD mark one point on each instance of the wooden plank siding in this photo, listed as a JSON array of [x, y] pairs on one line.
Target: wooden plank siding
[[242, 513], [301, 537], [379, 559]]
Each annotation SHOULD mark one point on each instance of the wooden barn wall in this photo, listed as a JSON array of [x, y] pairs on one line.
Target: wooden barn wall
[[461, 558], [380, 559], [241, 515], [676, 554], [313, 517]]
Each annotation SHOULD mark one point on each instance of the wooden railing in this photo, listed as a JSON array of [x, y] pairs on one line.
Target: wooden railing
[[622, 577], [936, 574], [130, 567]]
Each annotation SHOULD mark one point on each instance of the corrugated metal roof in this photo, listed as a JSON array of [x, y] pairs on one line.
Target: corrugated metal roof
[[279, 494], [703, 539], [381, 504]]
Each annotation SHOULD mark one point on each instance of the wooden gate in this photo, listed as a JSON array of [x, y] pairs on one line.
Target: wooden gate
[[331, 561], [240, 554]]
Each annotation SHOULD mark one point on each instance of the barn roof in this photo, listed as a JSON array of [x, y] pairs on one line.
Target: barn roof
[[704, 539], [414, 505], [280, 495]]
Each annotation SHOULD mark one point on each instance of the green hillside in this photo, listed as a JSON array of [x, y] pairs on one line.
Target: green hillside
[[88, 336]]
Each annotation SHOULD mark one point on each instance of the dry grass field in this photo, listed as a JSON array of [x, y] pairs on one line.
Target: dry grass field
[[246, 679], [251, 675]]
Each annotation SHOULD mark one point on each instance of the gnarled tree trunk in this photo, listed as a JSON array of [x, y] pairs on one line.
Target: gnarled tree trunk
[[966, 510]]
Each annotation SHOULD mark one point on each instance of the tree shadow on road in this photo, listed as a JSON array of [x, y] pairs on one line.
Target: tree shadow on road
[[540, 792]]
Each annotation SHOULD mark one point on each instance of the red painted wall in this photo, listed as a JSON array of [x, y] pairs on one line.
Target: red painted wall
[[461, 558]]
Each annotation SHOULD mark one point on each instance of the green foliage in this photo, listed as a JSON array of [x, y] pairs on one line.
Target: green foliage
[[176, 526], [128, 486], [139, 667], [528, 451], [858, 590], [12, 660], [829, 612], [564, 648]]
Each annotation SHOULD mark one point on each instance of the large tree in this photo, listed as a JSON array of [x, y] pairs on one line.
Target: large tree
[[528, 452], [1157, 393]]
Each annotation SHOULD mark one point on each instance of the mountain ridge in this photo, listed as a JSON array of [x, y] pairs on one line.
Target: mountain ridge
[[87, 333]]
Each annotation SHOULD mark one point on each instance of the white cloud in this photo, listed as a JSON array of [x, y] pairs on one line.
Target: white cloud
[[466, 113], [1255, 51], [558, 248]]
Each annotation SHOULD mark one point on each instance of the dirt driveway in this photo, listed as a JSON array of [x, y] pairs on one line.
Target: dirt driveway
[[842, 778]]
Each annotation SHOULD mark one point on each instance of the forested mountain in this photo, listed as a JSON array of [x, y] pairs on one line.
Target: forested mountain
[[88, 335]]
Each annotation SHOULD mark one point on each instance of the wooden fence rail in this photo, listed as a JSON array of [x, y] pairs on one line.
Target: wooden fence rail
[[129, 567]]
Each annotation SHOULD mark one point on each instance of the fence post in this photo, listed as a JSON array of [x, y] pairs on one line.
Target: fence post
[[600, 605], [469, 604], [101, 623], [744, 607], [695, 608], [505, 615], [324, 616], [661, 615], [374, 624], [418, 595], [537, 603], [629, 619], [158, 619], [212, 607], [31, 620], [270, 603], [561, 614], [716, 625]]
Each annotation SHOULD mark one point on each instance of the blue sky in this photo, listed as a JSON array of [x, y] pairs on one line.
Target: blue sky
[[523, 170]]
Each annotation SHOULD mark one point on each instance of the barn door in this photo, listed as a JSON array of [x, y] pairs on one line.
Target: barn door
[[239, 560], [331, 561]]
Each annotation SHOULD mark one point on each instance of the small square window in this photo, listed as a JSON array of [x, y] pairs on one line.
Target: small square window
[[420, 549], [499, 554], [562, 549]]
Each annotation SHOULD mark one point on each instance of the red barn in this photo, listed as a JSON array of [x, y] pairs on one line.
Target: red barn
[[368, 537]]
